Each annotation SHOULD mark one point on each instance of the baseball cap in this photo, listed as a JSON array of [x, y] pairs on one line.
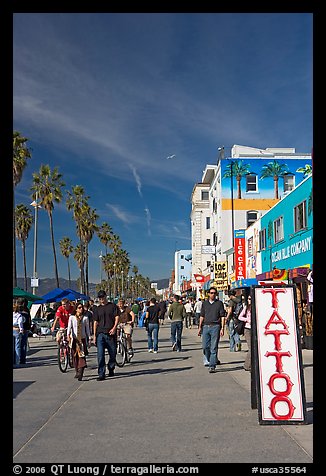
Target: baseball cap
[[101, 294]]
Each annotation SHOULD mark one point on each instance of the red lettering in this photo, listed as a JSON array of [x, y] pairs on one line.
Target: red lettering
[[285, 399], [274, 293], [277, 339], [278, 356], [287, 379], [276, 319]]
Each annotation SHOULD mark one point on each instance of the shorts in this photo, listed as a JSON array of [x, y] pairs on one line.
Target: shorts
[[128, 329]]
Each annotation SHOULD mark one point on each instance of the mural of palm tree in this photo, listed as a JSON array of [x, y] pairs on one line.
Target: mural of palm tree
[[66, 249], [237, 169], [48, 185], [77, 201], [274, 169], [306, 170], [20, 155], [23, 224]]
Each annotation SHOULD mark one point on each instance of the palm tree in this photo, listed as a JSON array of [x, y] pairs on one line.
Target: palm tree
[[77, 201], [48, 185], [88, 228], [20, 155], [79, 257], [66, 249], [23, 225], [105, 234], [274, 169], [306, 170], [237, 169]]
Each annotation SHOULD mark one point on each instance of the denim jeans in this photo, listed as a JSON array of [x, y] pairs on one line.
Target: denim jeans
[[210, 340], [234, 336], [152, 331], [176, 333], [17, 339], [23, 351], [105, 341]]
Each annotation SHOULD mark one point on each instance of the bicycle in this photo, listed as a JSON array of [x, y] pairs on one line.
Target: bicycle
[[64, 352], [123, 356]]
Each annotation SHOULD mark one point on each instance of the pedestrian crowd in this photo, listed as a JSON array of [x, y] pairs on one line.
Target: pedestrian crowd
[[84, 324]]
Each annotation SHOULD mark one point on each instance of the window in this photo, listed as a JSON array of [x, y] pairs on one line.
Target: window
[[250, 246], [208, 241], [278, 230], [208, 223], [288, 182], [300, 216], [251, 183], [182, 256], [204, 195], [262, 239], [208, 263], [182, 267], [252, 216]]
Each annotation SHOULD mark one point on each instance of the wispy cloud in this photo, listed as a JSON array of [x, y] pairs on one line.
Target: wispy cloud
[[137, 179], [122, 215]]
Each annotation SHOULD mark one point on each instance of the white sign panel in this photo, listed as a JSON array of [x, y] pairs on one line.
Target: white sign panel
[[281, 388], [208, 249]]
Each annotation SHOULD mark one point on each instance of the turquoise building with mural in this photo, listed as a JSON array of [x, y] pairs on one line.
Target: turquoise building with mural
[[286, 231]]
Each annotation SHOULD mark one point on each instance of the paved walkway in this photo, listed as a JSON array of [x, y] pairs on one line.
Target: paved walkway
[[161, 408]]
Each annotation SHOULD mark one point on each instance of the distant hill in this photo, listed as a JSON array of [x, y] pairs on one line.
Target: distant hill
[[48, 284]]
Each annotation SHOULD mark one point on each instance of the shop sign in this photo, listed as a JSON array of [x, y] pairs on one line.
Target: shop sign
[[239, 254], [277, 356], [221, 275]]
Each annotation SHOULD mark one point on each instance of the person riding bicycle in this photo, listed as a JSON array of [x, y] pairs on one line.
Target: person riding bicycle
[[127, 320], [62, 315]]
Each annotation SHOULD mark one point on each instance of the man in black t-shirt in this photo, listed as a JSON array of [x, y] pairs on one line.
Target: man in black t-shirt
[[211, 327], [152, 325], [105, 321]]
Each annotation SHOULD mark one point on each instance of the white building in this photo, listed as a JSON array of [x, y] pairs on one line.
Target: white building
[[233, 194], [182, 267]]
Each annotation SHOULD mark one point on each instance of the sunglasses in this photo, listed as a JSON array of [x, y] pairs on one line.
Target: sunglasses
[[212, 292], [80, 307]]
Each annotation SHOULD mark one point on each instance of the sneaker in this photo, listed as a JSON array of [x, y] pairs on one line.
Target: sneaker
[[155, 351], [130, 352], [212, 370], [101, 377], [150, 350], [174, 346], [238, 347]]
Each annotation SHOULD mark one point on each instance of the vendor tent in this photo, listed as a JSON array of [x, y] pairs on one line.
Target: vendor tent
[[18, 292], [57, 294]]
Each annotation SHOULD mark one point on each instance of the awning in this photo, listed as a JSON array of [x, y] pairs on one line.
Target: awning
[[243, 283]]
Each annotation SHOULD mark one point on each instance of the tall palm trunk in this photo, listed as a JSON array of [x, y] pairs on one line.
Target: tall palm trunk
[[54, 252], [24, 262], [14, 245], [69, 285]]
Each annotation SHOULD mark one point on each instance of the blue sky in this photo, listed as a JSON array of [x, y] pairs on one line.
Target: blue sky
[[108, 97]]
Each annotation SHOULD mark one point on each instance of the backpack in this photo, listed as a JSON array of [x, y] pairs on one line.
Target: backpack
[[238, 308]]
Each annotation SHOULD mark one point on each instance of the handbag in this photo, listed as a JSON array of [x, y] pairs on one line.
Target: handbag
[[239, 326]]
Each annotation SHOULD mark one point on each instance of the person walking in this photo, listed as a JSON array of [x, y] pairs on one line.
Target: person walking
[[245, 315], [136, 310], [197, 310], [235, 298], [189, 307], [152, 325], [163, 308], [78, 334], [17, 332], [105, 321], [211, 327], [23, 309], [176, 313]]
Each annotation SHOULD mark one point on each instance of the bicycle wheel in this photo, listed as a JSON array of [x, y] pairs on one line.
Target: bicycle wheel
[[62, 358], [121, 354], [70, 358]]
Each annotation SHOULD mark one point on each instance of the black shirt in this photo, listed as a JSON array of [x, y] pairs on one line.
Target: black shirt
[[105, 316], [212, 312], [153, 314]]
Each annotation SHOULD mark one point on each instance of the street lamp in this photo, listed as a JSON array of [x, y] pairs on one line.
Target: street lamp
[[36, 207], [122, 292], [114, 283], [101, 256]]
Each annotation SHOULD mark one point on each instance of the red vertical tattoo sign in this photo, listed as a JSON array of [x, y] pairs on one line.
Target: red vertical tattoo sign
[[239, 254], [280, 375]]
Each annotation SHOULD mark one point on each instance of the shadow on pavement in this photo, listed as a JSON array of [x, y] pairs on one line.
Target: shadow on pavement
[[19, 387]]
